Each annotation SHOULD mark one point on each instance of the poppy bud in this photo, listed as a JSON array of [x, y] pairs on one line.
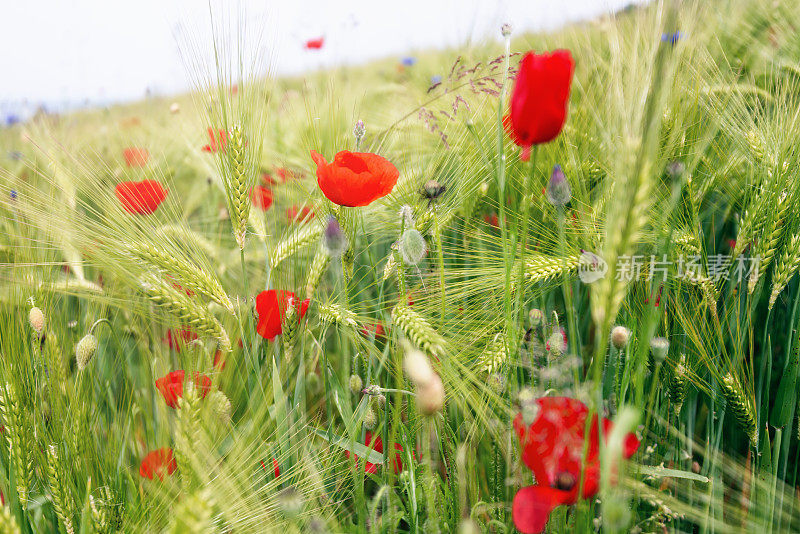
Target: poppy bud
[[417, 367], [430, 396], [675, 169], [558, 191], [506, 29], [290, 501], [536, 317], [174, 108], [528, 406], [355, 384], [372, 389], [620, 336], [412, 246], [497, 383], [433, 189], [36, 319], [370, 419], [334, 239], [84, 351], [659, 347], [359, 130], [557, 343]]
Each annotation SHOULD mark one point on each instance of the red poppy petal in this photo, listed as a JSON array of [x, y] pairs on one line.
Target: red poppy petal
[[318, 158], [532, 506]]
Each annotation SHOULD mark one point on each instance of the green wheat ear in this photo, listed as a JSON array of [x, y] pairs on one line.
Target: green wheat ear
[[238, 184], [59, 491], [8, 523], [300, 238], [418, 330], [185, 272], [18, 433], [678, 385], [336, 315], [187, 311], [494, 356], [787, 265], [318, 267], [741, 407]]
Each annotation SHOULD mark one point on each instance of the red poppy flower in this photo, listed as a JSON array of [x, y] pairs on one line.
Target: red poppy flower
[[492, 220], [140, 198], [171, 386], [175, 338], [315, 44], [377, 446], [552, 447], [217, 143], [377, 328], [267, 179], [355, 178], [540, 97], [261, 197], [136, 157], [157, 463], [295, 214], [271, 306], [219, 360], [285, 174], [275, 467]]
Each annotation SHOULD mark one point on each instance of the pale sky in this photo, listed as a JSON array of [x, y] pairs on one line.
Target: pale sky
[[66, 52]]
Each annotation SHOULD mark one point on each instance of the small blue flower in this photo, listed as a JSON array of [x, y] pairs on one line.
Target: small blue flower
[[13, 194], [408, 61], [436, 79], [11, 119], [671, 38]]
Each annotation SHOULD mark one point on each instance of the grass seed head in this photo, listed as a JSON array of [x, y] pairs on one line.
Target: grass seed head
[[430, 396]]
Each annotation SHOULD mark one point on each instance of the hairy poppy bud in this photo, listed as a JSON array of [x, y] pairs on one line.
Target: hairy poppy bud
[[290, 501], [659, 347], [174, 108], [84, 350], [536, 317], [430, 396], [36, 319], [620, 336], [433, 189], [558, 191], [356, 384], [412, 246], [557, 342], [333, 238], [506, 29], [370, 419]]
